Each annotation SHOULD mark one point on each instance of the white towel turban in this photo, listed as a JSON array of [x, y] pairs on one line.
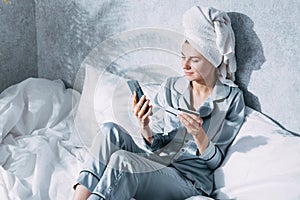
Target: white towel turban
[[209, 31]]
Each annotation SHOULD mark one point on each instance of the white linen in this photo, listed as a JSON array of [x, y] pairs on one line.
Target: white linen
[[262, 163], [107, 97], [38, 157]]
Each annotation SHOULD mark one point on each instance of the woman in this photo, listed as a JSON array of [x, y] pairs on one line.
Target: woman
[[183, 150]]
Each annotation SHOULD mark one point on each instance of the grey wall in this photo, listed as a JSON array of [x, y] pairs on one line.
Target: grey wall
[[18, 54], [267, 35], [274, 81], [68, 30]]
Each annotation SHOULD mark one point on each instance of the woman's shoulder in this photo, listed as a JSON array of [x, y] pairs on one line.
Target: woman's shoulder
[[222, 91], [235, 95], [236, 91]]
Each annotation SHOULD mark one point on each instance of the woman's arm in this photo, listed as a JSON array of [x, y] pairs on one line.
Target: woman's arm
[[193, 124], [155, 133], [142, 110], [147, 135], [214, 152]]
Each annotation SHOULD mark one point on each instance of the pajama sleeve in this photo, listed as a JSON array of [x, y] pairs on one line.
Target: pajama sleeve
[[215, 152], [163, 132]]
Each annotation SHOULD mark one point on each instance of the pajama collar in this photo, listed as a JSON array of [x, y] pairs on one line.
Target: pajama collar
[[219, 93]]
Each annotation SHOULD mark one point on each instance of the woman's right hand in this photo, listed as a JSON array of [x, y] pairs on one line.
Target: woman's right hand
[[142, 110]]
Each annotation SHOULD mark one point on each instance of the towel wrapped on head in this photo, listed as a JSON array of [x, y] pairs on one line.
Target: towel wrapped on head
[[209, 31]]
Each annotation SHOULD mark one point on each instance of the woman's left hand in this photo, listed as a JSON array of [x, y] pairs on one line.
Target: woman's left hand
[[192, 123]]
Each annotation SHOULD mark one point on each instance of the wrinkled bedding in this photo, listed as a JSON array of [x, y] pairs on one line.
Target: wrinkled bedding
[[38, 157], [41, 152]]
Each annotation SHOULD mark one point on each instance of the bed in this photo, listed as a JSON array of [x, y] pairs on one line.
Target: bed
[[44, 136], [47, 129], [44, 139]]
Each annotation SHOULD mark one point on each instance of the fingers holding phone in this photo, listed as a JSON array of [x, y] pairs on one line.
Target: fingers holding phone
[[140, 105], [141, 109]]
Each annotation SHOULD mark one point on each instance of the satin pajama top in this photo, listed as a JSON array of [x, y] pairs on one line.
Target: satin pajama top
[[222, 114]]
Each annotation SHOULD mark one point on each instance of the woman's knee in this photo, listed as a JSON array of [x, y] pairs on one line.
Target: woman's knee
[[105, 142], [114, 133], [110, 128], [131, 162], [122, 160], [107, 127]]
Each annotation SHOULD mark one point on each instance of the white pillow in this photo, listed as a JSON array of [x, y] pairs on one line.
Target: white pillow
[[113, 103], [147, 55], [107, 97], [262, 163]]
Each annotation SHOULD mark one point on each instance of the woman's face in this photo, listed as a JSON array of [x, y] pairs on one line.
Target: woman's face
[[195, 66]]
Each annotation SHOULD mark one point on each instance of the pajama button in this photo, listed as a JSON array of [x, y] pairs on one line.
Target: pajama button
[[186, 141], [182, 150]]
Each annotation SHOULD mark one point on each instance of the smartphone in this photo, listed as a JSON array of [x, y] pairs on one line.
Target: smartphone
[[135, 86]]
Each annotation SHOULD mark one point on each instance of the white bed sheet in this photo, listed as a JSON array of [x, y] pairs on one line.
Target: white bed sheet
[[38, 157], [262, 163]]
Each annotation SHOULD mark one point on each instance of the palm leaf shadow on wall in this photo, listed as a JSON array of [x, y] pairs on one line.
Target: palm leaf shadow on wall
[[249, 54], [85, 31]]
